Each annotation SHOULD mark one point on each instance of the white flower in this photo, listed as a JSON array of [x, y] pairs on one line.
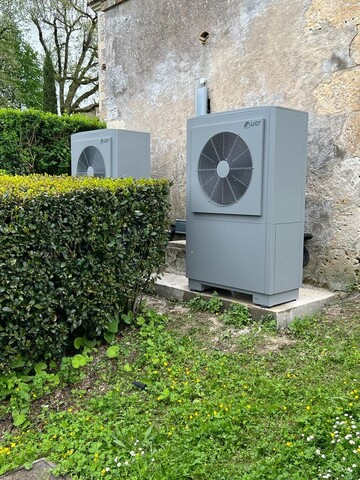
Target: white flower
[[310, 437], [118, 464], [351, 442], [107, 469], [132, 453]]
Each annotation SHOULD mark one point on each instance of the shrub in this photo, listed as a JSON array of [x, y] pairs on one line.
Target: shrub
[[36, 142], [75, 253]]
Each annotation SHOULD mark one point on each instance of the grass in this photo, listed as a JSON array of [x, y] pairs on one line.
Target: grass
[[215, 402]]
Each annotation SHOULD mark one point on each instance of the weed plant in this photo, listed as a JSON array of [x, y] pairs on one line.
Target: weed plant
[[198, 413], [213, 305]]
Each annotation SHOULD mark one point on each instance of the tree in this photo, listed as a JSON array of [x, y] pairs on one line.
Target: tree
[[67, 30], [20, 74], [49, 88]]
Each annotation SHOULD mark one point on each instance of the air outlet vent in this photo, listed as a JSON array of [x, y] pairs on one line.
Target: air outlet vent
[[91, 163], [225, 168]]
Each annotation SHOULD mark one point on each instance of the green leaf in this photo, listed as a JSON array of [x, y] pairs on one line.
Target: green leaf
[[127, 367], [109, 337], [79, 342], [113, 351], [78, 361], [148, 432], [119, 443], [40, 367], [140, 321], [18, 418], [113, 326], [165, 393], [18, 363]]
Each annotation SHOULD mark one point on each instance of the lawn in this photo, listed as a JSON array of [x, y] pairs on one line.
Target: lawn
[[190, 393]]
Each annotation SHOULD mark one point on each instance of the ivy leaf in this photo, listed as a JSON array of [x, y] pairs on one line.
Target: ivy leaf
[[113, 351]]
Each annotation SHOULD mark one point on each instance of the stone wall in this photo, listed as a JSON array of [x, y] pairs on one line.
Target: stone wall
[[302, 54]]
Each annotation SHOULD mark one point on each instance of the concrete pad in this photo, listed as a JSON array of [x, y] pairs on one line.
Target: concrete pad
[[41, 470], [311, 300]]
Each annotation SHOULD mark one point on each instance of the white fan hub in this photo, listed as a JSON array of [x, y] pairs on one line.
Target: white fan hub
[[223, 169], [90, 171]]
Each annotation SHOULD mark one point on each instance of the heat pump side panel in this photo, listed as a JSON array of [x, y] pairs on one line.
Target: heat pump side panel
[[285, 198], [131, 154]]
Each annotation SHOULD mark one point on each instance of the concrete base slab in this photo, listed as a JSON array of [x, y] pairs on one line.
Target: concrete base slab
[[41, 470], [311, 300]]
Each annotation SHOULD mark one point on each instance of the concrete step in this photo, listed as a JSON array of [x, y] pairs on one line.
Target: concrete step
[[311, 300], [176, 257]]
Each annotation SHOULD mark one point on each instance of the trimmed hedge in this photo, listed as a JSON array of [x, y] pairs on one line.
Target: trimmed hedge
[[74, 255], [36, 142]]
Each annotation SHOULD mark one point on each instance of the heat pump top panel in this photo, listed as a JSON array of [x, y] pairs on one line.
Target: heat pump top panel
[[110, 153]]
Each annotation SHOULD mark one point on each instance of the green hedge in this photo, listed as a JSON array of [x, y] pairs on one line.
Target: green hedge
[[36, 142], [74, 254]]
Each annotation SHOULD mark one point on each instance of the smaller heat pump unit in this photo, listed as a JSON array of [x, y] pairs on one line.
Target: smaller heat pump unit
[[110, 153]]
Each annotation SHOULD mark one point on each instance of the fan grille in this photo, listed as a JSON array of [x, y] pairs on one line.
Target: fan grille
[[225, 168], [91, 163]]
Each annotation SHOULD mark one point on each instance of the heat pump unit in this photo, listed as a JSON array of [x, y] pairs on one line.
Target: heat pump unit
[[245, 202], [110, 153]]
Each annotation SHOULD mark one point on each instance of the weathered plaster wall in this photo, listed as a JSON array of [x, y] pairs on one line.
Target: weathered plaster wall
[[302, 54]]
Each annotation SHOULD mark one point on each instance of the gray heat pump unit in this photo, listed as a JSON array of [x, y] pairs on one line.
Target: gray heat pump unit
[[110, 153], [245, 202]]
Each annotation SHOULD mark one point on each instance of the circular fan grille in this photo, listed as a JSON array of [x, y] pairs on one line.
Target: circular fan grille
[[225, 168], [91, 163]]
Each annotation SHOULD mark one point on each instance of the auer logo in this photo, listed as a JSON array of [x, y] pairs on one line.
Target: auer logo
[[104, 140], [254, 123]]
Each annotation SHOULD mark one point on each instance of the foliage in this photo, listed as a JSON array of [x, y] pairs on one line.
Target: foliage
[[20, 74], [199, 304], [75, 254], [67, 30], [237, 314], [283, 414], [36, 142], [49, 88]]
